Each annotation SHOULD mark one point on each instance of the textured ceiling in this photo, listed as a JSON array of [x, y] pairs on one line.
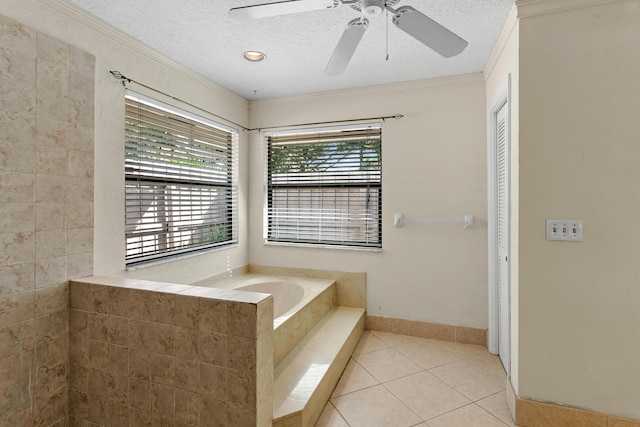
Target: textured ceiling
[[199, 35]]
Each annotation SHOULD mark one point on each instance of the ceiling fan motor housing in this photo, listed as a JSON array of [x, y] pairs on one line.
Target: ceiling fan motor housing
[[372, 7]]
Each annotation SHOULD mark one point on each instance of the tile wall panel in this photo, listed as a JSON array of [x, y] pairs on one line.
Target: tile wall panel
[[43, 175]]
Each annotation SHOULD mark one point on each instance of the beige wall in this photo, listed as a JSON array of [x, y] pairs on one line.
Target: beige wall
[[114, 51], [434, 166], [503, 64], [580, 159]]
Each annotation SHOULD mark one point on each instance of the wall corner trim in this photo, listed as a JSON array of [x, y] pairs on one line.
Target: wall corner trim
[[529, 8], [498, 49]]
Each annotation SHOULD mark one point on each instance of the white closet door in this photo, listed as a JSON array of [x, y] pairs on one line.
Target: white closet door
[[502, 175]]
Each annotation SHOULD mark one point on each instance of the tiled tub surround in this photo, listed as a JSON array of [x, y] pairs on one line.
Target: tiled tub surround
[[290, 326], [146, 353], [46, 216]]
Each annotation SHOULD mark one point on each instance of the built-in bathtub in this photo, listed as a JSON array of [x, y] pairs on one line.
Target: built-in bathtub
[[299, 303]]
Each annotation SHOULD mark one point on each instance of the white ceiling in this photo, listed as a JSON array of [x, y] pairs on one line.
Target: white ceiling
[[199, 35]]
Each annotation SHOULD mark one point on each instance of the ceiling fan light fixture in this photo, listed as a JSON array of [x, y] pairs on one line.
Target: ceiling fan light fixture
[[253, 56]]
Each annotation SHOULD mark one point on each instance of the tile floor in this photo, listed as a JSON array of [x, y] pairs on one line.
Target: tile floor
[[401, 381]]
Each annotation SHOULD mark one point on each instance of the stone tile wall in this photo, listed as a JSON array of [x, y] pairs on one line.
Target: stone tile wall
[[147, 353], [46, 216]]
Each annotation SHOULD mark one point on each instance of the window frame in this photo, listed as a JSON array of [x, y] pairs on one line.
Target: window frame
[[268, 219], [206, 194]]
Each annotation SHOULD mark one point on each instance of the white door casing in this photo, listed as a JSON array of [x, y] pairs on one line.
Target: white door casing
[[499, 220]]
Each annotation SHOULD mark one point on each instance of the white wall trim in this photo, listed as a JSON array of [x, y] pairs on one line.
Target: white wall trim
[[73, 12], [528, 8], [501, 44], [502, 96], [461, 79]]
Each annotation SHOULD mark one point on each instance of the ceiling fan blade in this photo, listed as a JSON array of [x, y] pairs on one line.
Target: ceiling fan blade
[[428, 32], [346, 47], [278, 8]]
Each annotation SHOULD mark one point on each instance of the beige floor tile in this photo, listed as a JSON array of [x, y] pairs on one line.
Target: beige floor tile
[[374, 406], [354, 378], [469, 379], [388, 364], [465, 350], [426, 395], [428, 353], [496, 405], [330, 417], [394, 339], [468, 416], [491, 363], [369, 342]]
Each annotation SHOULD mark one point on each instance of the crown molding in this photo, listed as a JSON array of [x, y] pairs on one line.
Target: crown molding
[[507, 31], [69, 10], [335, 95], [529, 8]]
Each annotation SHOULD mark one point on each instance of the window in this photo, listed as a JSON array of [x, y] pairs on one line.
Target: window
[[179, 181], [325, 187]]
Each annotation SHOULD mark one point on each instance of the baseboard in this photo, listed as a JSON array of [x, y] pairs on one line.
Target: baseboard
[[416, 328], [530, 413]]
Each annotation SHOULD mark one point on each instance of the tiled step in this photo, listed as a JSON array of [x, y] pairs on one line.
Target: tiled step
[[305, 379]]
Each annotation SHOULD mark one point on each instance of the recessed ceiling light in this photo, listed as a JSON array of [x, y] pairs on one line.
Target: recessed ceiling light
[[253, 56]]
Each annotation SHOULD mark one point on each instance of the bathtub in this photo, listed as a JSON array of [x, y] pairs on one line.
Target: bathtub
[[298, 304]]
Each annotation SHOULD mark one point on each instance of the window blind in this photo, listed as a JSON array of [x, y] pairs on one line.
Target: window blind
[[179, 182], [325, 188]]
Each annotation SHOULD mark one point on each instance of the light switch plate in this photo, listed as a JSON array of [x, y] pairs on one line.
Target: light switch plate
[[564, 229]]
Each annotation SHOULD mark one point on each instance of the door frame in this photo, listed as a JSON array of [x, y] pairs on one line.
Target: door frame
[[502, 96]]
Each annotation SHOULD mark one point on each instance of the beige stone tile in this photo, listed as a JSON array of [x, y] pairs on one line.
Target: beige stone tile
[[78, 404], [15, 157], [51, 271], [79, 189], [16, 308], [387, 364], [140, 394], [187, 407], [15, 369], [531, 413], [80, 138], [163, 400], [78, 295], [213, 382], [468, 416], [80, 164], [118, 362], [52, 76], [79, 240], [241, 354], [16, 399], [81, 63], [428, 353], [469, 379], [162, 369], [18, 217], [187, 343], [491, 363], [374, 406], [465, 350], [118, 301], [139, 305], [118, 413], [78, 323], [98, 298], [240, 416], [394, 339], [471, 335], [51, 188], [51, 49], [17, 247], [17, 36], [369, 342], [213, 349], [241, 387], [79, 377], [79, 265], [17, 98], [162, 306], [80, 214], [187, 375], [17, 66], [241, 319], [51, 244], [138, 366], [17, 278], [153, 337], [17, 187], [97, 327], [52, 326], [82, 89], [139, 417], [621, 422], [51, 299], [51, 133], [330, 417], [52, 105], [81, 111], [354, 378], [118, 330], [496, 405], [17, 338], [51, 216], [51, 408], [426, 395]]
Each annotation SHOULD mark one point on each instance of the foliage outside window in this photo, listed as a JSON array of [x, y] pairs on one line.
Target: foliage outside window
[[179, 181], [325, 187]]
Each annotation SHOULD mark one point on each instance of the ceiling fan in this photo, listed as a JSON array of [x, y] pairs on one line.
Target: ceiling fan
[[408, 19]]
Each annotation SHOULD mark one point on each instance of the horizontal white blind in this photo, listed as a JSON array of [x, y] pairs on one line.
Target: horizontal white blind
[[179, 183], [325, 188]]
